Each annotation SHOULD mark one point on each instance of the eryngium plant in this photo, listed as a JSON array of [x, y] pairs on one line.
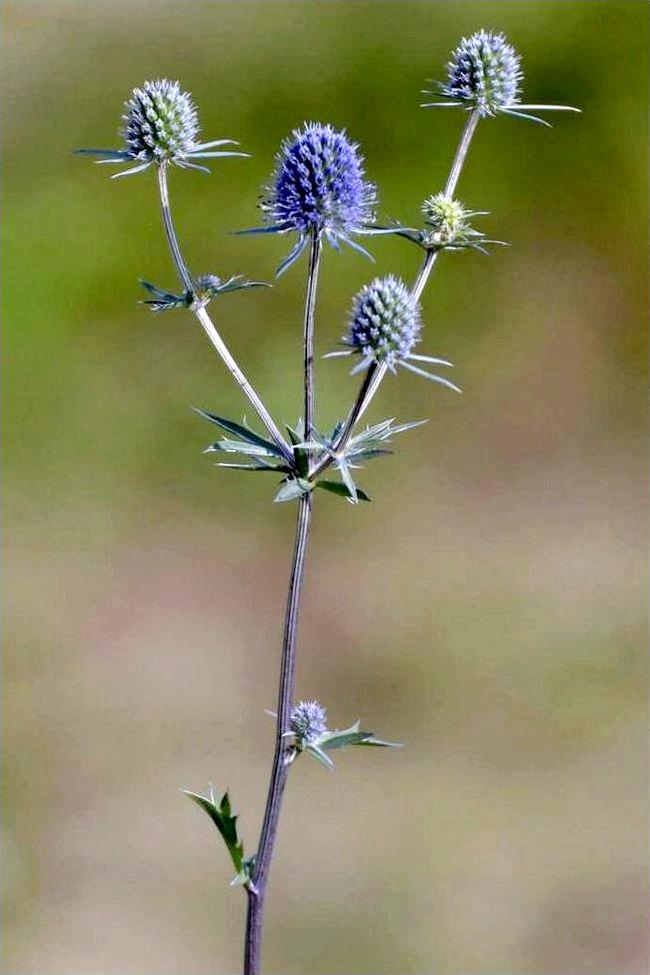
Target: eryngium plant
[[318, 192]]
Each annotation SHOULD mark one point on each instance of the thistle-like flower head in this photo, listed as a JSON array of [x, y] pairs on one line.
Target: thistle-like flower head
[[385, 322], [485, 72], [384, 328], [319, 183], [484, 75], [160, 122], [318, 187], [161, 125], [308, 721]]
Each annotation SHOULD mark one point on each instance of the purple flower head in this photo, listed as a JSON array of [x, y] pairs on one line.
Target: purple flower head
[[319, 183], [318, 187]]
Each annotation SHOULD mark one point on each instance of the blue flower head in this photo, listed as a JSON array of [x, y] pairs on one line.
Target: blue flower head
[[484, 74], [161, 125], [384, 328], [318, 187], [319, 183]]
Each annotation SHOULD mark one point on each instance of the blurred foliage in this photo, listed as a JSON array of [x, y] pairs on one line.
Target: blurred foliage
[[486, 609]]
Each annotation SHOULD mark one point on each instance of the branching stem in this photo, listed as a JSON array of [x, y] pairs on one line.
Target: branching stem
[[376, 372], [208, 325]]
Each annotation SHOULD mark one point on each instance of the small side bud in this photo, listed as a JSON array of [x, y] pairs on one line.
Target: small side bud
[[447, 220], [308, 722]]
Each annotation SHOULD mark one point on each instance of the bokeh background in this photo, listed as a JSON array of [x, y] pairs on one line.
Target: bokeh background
[[487, 609]]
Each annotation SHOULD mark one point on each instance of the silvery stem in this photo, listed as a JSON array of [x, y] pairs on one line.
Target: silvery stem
[[461, 152], [376, 372], [172, 239], [308, 331], [208, 326]]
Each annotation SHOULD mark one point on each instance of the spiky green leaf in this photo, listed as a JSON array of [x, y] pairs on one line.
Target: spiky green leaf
[[221, 815]]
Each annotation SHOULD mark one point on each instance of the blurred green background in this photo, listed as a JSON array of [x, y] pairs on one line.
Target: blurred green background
[[487, 609]]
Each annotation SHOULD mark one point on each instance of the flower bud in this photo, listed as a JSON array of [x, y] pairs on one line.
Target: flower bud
[[447, 220]]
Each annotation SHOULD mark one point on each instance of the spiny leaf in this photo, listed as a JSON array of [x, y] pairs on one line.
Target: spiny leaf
[[226, 823], [352, 736]]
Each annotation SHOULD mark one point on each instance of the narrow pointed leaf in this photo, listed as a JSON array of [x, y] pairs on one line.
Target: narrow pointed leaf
[[239, 447], [348, 480], [320, 756], [292, 257], [240, 431], [335, 487], [256, 467]]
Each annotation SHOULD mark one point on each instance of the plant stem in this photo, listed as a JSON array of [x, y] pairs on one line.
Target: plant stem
[[376, 372], [310, 307], [280, 770], [172, 239], [461, 152], [257, 889], [208, 326]]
